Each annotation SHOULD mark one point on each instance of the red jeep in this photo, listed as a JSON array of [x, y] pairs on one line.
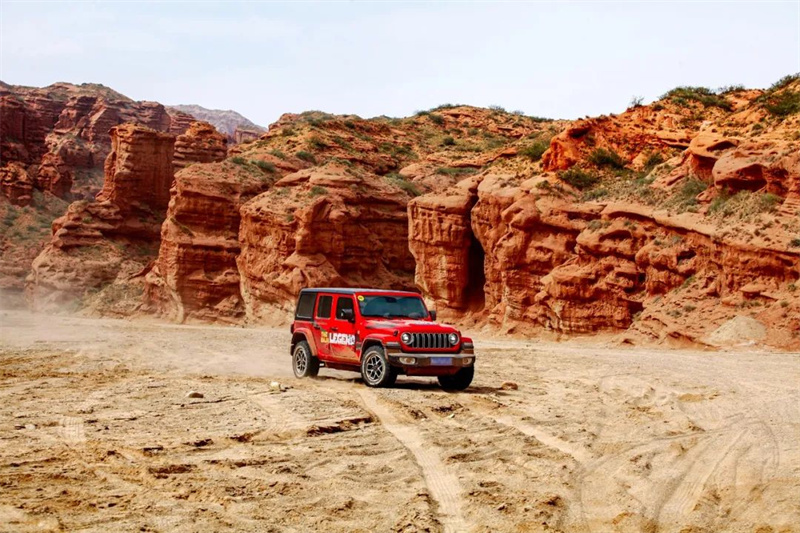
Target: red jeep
[[380, 334]]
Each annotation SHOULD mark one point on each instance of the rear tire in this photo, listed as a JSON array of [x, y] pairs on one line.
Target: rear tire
[[375, 368], [458, 381], [304, 363]]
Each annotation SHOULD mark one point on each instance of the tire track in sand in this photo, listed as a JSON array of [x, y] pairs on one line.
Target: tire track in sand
[[442, 484]]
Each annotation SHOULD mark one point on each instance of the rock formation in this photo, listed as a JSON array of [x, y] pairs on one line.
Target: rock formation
[[665, 221], [201, 143], [65, 129], [195, 275], [112, 239], [234, 126], [322, 226], [15, 184], [712, 230]]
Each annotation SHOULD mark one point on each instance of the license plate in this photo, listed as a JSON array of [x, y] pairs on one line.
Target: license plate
[[441, 361]]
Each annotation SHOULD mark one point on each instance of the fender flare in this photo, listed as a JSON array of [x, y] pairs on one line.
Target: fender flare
[[301, 335]]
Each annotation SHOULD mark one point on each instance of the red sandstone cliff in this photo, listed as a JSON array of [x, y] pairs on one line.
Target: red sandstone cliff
[[97, 243], [663, 221], [109, 243], [68, 126]]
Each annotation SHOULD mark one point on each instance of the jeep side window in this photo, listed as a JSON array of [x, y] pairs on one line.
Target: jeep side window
[[342, 304], [305, 306], [324, 306]]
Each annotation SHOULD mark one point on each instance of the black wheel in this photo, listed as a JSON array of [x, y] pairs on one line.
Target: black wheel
[[375, 368], [458, 381], [304, 364]]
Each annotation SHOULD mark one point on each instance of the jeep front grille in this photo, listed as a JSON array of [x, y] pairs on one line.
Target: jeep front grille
[[436, 341]]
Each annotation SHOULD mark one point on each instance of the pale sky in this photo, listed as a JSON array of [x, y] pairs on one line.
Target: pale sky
[[553, 59]]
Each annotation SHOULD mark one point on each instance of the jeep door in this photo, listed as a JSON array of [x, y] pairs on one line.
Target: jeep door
[[322, 319], [343, 330]]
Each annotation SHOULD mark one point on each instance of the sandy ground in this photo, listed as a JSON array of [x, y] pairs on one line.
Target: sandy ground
[[97, 434]]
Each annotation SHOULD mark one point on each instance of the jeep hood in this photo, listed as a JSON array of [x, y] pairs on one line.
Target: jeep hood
[[408, 324]]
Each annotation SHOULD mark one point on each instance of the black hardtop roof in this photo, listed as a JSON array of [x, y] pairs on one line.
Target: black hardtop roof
[[341, 290]]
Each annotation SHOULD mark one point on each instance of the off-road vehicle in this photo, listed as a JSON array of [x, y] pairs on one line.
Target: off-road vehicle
[[379, 333]]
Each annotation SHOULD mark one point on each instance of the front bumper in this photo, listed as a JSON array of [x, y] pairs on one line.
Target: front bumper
[[430, 360]]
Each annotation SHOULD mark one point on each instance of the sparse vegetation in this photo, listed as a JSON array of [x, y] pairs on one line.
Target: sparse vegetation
[[784, 82], [794, 243], [744, 204], [316, 190], [578, 178], [783, 104], [603, 157], [636, 101], [317, 143], [239, 160], [682, 96], [436, 119], [595, 194], [450, 171], [652, 162], [687, 195], [448, 141], [730, 89], [266, 166], [277, 153], [306, 156], [497, 108], [403, 183], [535, 151]]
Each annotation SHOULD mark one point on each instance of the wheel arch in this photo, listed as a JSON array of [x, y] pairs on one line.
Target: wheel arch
[[299, 336], [369, 343]]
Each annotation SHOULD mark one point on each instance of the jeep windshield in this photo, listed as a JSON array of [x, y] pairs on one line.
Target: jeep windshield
[[392, 307]]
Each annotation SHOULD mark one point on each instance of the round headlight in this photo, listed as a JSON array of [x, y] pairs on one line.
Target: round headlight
[[453, 338], [406, 338]]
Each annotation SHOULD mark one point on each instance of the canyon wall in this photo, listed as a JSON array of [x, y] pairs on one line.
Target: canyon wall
[[97, 243]]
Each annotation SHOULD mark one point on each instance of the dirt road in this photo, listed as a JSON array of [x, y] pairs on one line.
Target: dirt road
[[97, 433]]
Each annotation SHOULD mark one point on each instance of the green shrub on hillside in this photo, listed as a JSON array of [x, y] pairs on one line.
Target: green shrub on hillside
[[687, 195], [652, 162], [602, 157], [579, 179], [782, 104], [306, 156], [683, 95], [317, 143], [266, 166], [784, 82], [448, 171], [403, 183], [316, 190], [535, 151]]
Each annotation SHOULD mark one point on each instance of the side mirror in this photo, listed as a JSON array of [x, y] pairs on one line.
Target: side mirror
[[347, 314], [433, 315]]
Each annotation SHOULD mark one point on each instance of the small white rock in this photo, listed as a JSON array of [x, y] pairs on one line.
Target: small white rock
[[275, 385]]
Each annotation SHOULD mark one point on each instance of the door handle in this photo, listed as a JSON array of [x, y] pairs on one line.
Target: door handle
[[334, 329], [316, 326]]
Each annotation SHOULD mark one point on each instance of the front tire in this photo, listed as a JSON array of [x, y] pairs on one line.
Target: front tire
[[458, 381], [375, 368], [304, 364]]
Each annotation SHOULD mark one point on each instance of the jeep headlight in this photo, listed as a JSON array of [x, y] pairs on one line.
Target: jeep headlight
[[407, 338], [453, 338]]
